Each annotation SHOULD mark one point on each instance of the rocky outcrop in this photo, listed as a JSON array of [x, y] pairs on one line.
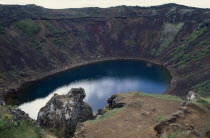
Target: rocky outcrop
[[115, 101], [63, 112], [181, 122], [176, 123], [192, 96]]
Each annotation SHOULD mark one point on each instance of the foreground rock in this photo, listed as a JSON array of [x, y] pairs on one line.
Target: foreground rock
[[63, 112]]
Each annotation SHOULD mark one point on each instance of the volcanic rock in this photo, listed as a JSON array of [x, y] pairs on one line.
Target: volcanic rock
[[64, 112]]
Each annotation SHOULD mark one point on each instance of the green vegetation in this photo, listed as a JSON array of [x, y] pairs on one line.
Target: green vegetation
[[160, 119], [50, 27], [203, 102], [107, 114], [17, 129], [106, 108], [179, 52], [58, 41], [186, 58], [199, 106], [163, 96], [207, 128], [2, 29], [168, 35], [28, 26], [203, 88], [171, 135], [53, 29], [20, 129]]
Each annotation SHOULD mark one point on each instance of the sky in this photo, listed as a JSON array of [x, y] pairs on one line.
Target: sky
[[60, 4]]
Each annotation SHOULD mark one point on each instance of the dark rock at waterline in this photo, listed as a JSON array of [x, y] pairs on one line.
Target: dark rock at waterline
[[100, 112], [64, 112], [115, 101]]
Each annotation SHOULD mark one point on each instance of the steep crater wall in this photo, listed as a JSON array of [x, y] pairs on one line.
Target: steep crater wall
[[36, 42]]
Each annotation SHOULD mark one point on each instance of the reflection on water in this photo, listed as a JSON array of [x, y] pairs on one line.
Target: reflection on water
[[100, 81]]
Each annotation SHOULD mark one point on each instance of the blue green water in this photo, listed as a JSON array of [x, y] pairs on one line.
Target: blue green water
[[100, 81]]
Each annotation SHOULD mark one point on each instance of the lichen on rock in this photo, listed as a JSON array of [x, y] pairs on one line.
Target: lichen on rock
[[64, 112]]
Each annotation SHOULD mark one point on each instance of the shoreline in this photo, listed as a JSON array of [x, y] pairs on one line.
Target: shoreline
[[18, 85]]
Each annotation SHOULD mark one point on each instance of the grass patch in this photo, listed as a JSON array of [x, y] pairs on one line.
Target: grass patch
[[179, 52], [160, 119], [196, 55], [203, 102], [163, 96], [107, 114], [53, 29], [50, 27], [17, 129], [28, 26], [202, 88], [198, 106], [207, 128]]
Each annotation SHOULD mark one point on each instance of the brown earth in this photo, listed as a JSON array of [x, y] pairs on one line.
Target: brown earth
[[139, 117]]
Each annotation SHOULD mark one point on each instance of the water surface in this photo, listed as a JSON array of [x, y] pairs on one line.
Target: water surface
[[100, 81]]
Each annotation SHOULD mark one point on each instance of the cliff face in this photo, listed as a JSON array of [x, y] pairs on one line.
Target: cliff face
[[35, 41]]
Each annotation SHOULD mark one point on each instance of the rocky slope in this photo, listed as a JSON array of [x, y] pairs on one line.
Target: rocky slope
[[36, 42], [150, 116]]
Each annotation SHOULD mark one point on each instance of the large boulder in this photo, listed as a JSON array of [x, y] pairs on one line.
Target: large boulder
[[64, 112]]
